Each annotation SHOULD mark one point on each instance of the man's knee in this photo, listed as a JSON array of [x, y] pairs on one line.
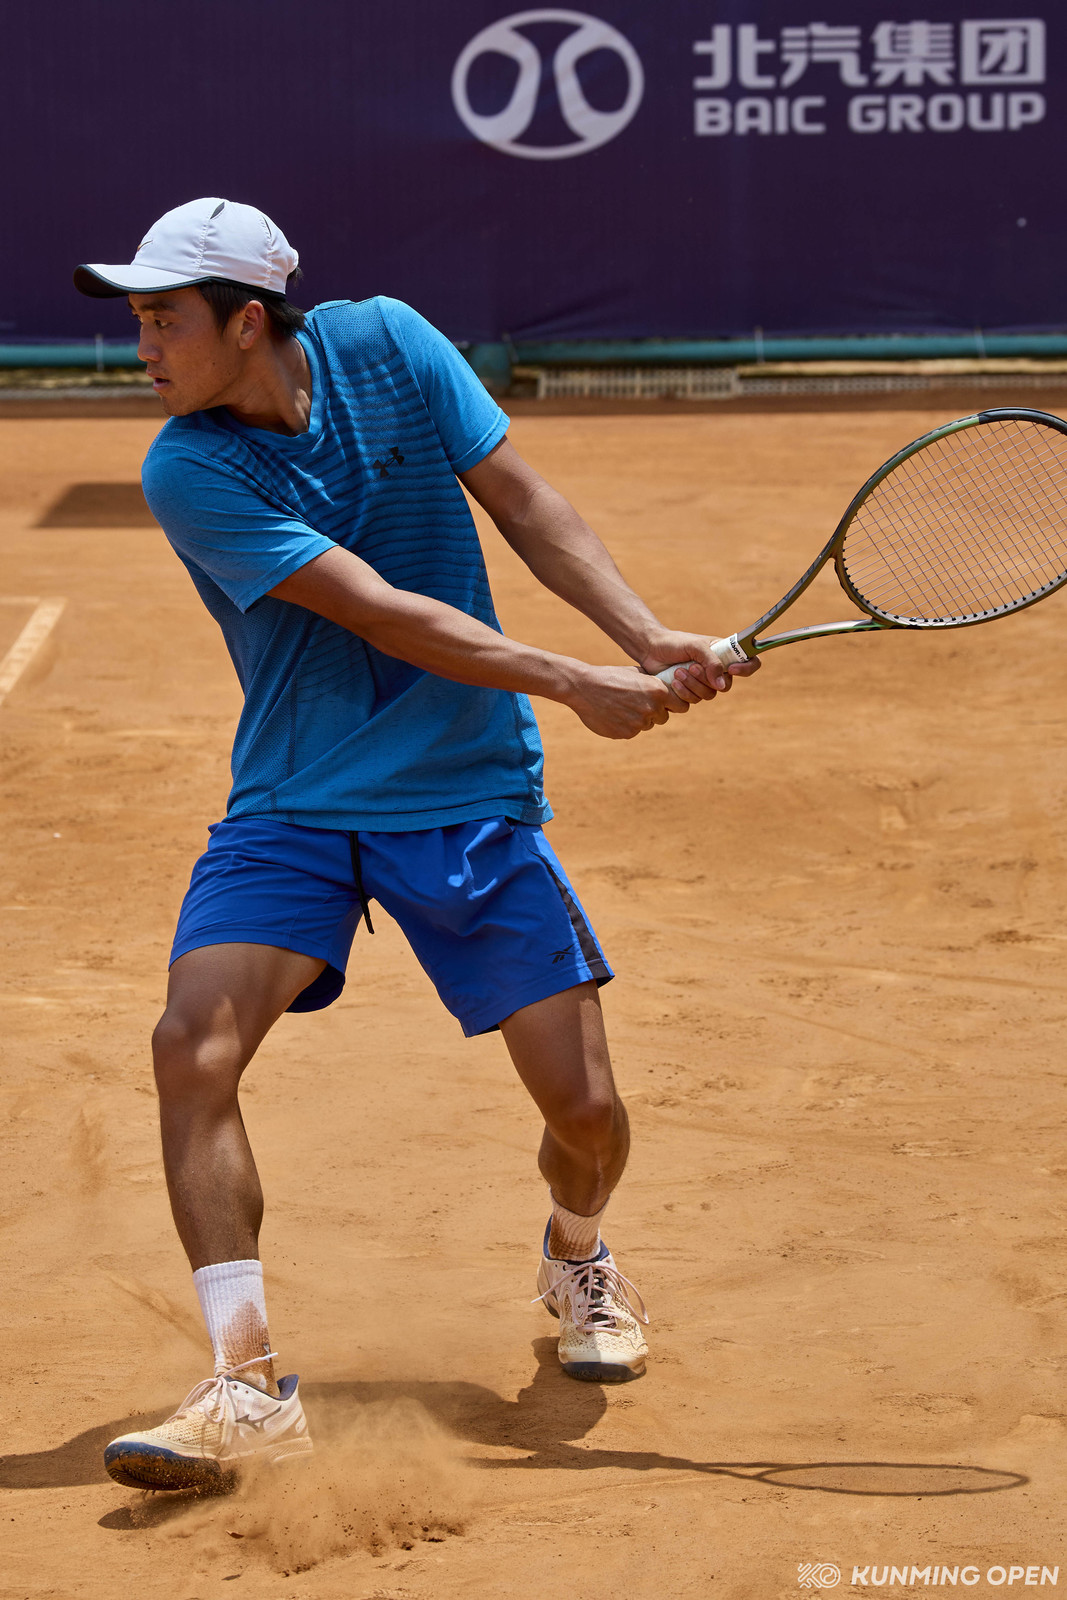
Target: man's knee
[[590, 1121], [193, 1059]]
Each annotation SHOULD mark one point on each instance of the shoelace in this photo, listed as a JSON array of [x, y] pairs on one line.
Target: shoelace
[[598, 1295], [220, 1396]]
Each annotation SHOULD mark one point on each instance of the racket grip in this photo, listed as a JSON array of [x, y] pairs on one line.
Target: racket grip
[[728, 652]]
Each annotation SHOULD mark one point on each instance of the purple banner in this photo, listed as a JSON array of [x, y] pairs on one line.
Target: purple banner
[[675, 170]]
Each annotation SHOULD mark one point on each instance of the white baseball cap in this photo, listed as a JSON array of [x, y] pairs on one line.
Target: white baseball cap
[[199, 242]]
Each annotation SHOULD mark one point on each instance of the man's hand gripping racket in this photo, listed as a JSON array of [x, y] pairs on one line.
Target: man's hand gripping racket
[[967, 524]]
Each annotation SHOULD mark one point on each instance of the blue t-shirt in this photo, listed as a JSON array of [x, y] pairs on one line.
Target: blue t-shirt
[[334, 734]]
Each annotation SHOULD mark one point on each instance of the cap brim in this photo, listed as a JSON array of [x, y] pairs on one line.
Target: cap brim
[[104, 282]]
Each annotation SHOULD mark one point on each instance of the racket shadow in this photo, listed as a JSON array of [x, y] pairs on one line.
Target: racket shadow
[[553, 1411]]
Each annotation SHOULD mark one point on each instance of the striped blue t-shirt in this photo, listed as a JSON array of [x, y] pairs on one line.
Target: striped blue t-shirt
[[334, 734]]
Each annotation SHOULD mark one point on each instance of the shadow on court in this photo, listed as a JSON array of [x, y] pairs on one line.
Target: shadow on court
[[98, 505], [543, 1421]]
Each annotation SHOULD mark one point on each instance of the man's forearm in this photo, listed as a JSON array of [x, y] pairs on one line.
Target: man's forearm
[[428, 633], [563, 553], [447, 642], [616, 702]]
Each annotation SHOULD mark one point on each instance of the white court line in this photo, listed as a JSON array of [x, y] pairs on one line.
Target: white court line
[[29, 641]]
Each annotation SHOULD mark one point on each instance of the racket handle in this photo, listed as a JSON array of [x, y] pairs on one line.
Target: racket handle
[[728, 652]]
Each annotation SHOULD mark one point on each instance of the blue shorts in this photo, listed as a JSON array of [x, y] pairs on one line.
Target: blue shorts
[[485, 906]]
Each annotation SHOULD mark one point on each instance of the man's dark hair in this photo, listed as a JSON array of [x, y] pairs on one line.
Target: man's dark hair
[[283, 318]]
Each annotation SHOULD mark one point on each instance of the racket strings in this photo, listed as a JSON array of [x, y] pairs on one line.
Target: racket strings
[[971, 572], [947, 569], [1030, 536], [981, 555], [972, 525]]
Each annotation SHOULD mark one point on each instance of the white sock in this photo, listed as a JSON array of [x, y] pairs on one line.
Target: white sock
[[573, 1237], [232, 1301]]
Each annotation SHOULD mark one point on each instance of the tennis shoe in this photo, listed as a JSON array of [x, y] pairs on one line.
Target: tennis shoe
[[220, 1426], [600, 1317]]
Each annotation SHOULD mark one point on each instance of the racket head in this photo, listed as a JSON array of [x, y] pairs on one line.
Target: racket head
[[965, 524]]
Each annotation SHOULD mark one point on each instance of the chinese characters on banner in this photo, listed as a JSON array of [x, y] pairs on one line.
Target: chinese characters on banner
[[901, 77]]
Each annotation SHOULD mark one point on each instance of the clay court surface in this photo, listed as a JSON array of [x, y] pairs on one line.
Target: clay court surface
[[835, 904]]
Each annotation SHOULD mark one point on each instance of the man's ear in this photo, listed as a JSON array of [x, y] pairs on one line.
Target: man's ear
[[252, 322]]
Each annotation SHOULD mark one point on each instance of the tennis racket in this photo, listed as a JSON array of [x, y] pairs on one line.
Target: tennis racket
[[966, 524]]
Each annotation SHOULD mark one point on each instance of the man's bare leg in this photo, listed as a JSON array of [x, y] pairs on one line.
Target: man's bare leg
[[221, 1002], [561, 1055], [560, 1052]]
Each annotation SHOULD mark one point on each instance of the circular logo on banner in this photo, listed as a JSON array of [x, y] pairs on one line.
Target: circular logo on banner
[[591, 128]]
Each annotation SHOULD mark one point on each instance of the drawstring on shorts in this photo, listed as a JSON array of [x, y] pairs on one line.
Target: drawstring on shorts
[[357, 873]]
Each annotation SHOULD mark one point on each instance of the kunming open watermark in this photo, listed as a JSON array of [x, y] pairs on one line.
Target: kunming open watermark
[[825, 1575], [818, 1574]]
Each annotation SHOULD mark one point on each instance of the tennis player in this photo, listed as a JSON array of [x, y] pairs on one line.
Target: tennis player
[[387, 751]]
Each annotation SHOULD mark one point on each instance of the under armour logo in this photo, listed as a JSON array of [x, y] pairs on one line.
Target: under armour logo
[[395, 459], [558, 956]]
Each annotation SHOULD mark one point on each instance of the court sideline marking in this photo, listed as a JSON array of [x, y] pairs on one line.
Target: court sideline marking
[[45, 616]]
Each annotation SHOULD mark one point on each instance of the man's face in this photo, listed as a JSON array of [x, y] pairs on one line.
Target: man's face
[[193, 363]]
